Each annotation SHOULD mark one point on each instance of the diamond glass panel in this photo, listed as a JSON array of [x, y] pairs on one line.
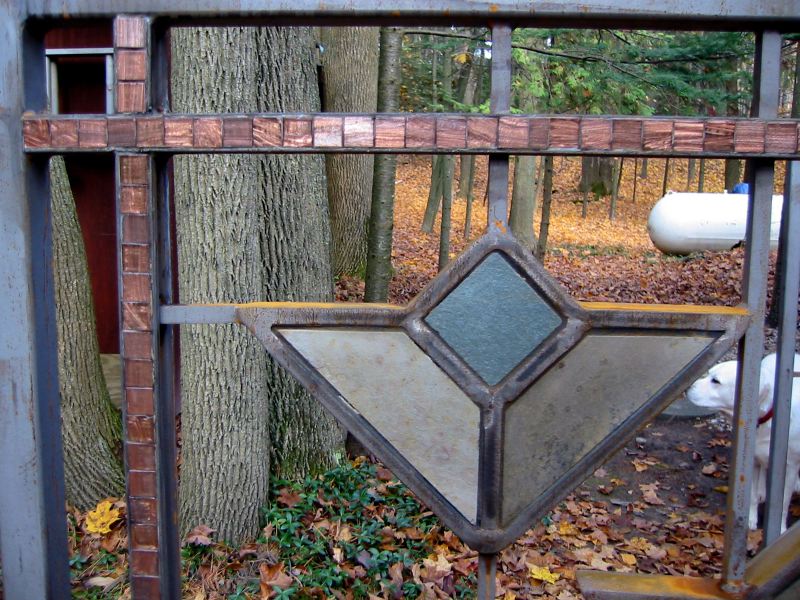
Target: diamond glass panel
[[580, 400], [493, 319], [410, 401]]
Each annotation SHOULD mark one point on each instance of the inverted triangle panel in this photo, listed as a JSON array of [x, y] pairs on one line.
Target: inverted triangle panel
[[580, 401], [408, 399]]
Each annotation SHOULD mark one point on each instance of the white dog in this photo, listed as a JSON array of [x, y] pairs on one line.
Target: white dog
[[717, 389]]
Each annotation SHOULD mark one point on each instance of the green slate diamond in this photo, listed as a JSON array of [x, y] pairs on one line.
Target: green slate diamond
[[494, 318]]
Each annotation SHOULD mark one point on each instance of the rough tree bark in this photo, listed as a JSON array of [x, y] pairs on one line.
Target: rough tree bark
[[350, 72], [90, 424], [250, 228], [547, 197], [379, 252], [523, 201]]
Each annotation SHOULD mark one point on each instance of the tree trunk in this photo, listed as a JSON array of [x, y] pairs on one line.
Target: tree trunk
[[379, 254], [547, 197], [468, 160], [350, 71], [615, 180], [733, 173], [523, 201], [447, 204], [635, 177], [597, 174], [434, 193], [643, 172], [250, 228], [691, 173], [665, 182], [701, 176], [91, 427]]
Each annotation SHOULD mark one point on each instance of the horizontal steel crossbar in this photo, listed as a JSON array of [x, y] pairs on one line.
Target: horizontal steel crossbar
[[682, 14], [415, 133]]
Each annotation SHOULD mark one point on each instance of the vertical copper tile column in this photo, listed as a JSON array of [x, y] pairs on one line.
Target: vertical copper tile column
[[135, 231], [138, 354]]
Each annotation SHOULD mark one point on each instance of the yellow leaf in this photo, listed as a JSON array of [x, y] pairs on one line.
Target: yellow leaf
[[542, 574], [510, 596], [628, 559], [102, 517], [461, 58]]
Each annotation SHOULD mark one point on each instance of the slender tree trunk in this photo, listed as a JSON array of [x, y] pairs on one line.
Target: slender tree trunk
[[635, 177], [665, 182], [251, 228], [691, 173], [447, 203], [470, 199], [615, 180], [434, 193], [523, 201], [547, 197], [643, 172], [91, 427], [381, 222], [468, 160], [350, 71], [701, 176]]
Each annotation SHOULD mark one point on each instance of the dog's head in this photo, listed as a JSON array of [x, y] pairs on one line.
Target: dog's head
[[716, 389]]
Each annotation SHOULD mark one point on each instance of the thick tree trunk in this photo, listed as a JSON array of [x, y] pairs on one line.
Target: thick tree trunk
[[434, 193], [701, 177], [547, 197], [90, 424], [350, 71], [250, 228], [523, 201], [615, 181]]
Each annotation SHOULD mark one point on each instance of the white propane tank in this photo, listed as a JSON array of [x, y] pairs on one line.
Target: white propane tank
[[681, 223]]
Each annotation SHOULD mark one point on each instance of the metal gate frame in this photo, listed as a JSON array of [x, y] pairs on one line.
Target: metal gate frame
[[143, 133]]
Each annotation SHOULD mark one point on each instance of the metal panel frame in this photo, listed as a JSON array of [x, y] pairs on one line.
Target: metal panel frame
[[27, 347]]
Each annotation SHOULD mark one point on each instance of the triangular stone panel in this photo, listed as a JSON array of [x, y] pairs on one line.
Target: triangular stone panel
[[412, 403]]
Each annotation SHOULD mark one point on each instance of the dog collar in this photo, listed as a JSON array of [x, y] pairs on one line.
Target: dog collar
[[766, 417]]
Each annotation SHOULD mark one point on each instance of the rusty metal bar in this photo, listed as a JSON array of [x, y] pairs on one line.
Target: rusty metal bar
[[487, 576], [782, 402], [33, 541], [766, 78], [500, 103]]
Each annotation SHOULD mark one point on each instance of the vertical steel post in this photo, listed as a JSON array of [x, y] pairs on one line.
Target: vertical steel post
[[787, 326], [487, 576], [765, 101], [33, 539], [500, 102]]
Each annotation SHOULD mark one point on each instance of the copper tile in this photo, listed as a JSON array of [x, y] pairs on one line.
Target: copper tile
[[208, 132], [451, 132], [142, 484], [36, 133], [781, 138], [139, 401], [144, 536], [135, 259], [139, 373], [657, 135], [539, 134], [92, 133], [141, 457], [749, 136], [327, 132], [267, 131], [140, 429], [133, 170], [64, 133], [481, 132], [131, 97], [133, 200], [149, 132], [178, 133], [564, 132], [135, 229], [237, 132], [130, 65], [144, 562], [689, 136], [359, 132], [137, 345], [121, 132], [145, 588], [137, 316], [142, 510], [719, 136], [390, 132], [297, 132], [513, 132], [136, 288], [130, 32], [626, 134], [596, 133]]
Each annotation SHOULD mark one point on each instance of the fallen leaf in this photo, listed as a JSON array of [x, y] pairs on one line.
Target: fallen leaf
[[542, 574]]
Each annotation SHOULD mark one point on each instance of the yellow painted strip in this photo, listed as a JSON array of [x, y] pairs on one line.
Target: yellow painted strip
[[318, 305], [693, 309]]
